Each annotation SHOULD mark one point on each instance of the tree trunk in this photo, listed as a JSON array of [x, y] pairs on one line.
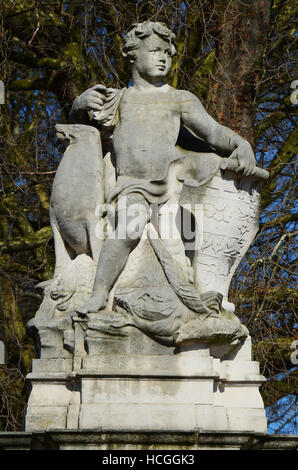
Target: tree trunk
[[242, 28]]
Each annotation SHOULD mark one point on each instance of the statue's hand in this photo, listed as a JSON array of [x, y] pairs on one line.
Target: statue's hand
[[246, 159], [92, 99]]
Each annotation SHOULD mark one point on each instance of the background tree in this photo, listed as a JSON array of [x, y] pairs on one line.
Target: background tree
[[238, 57]]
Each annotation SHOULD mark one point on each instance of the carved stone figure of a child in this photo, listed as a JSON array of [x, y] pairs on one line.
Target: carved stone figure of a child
[[146, 125]]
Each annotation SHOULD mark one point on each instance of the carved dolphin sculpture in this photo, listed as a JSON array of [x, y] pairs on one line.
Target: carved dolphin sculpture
[[77, 196]]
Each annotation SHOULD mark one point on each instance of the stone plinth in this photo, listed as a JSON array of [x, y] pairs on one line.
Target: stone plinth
[[184, 391]]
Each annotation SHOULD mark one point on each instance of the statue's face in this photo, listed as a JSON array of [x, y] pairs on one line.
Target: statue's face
[[153, 58]]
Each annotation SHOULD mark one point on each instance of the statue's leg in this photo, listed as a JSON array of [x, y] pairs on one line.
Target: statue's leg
[[133, 214]]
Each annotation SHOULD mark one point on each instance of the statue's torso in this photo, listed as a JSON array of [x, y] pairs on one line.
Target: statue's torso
[[146, 133]]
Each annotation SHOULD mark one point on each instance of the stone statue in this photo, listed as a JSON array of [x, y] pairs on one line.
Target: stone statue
[[149, 232]]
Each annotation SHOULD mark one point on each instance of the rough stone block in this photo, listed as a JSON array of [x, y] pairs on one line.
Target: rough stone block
[[49, 394], [134, 390], [241, 370], [51, 365], [183, 365], [239, 396], [138, 416], [41, 418], [246, 419], [73, 417], [206, 417], [220, 417]]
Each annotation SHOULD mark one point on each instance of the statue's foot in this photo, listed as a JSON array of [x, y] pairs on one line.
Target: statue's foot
[[96, 302]]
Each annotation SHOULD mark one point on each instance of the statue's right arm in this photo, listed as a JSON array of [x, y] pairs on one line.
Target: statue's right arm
[[91, 100]]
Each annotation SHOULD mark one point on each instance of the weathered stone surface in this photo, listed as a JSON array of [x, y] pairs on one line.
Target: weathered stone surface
[[149, 391], [145, 440], [51, 365], [46, 417], [49, 394], [138, 416], [249, 419], [174, 365], [106, 389]]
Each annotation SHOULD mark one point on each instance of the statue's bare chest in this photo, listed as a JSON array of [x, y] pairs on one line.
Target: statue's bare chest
[[154, 109]]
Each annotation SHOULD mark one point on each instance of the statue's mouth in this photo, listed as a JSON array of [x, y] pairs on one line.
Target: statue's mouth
[[60, 134]]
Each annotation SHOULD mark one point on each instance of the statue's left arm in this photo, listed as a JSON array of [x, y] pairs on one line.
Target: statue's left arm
[[223, 139]]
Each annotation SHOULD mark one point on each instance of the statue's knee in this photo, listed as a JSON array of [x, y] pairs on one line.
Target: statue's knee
[[133, 215]]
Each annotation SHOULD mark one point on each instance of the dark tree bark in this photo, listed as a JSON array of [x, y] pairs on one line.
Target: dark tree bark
[[242, 29]]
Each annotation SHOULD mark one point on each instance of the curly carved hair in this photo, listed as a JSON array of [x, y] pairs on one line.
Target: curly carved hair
[[141, 31]]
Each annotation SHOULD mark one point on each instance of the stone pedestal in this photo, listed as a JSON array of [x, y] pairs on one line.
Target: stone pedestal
[[181, 391]]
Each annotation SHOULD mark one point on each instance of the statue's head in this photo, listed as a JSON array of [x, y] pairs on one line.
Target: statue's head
[[149, 47]]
